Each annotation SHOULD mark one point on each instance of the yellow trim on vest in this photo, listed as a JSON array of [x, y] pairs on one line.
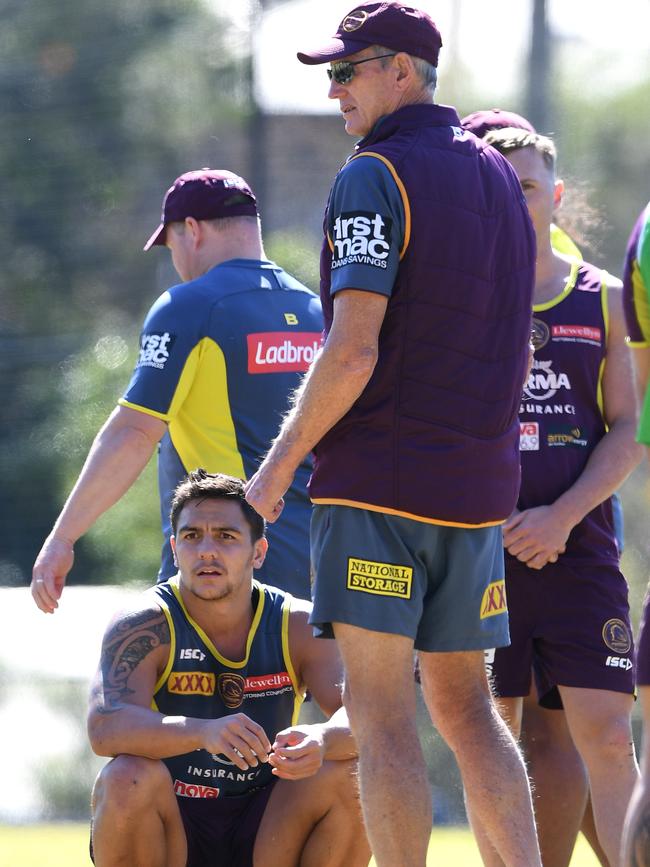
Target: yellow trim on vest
[[568, 288], [172, 651], [384, 510], [637, 344], [562, 243], [161, 415], [208, 642], [402, 189], [298, 696], [201, 425]]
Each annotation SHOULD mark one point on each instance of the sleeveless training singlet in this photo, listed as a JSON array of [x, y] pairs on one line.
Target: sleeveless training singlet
[[199, 682], [561, 414]]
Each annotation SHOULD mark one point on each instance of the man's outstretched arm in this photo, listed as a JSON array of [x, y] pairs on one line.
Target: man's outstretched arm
[[119, 453], [336, 379]]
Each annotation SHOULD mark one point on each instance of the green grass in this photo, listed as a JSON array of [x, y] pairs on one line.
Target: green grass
[[66, 845]]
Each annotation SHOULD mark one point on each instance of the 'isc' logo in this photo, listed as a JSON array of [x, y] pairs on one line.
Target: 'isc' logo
[[619, 662]]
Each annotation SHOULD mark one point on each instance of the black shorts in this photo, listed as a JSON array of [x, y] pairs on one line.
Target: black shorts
[[221, 832]]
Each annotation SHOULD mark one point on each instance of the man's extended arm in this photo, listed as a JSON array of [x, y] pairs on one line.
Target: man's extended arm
[[117, 456], [134, 652], [336, 379], [537, 535]]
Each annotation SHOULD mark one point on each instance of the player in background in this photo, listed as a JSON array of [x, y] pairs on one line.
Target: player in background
[[220, 354], [636, 303], [569, 614], [561, 785], [196, 699]]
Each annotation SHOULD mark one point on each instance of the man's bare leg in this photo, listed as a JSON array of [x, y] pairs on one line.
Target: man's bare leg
[[380, 700], [315, 822], [636, 835], [456, 690], [599, 722], [510, 710], [559, 781], [136, 821], [588, 828]]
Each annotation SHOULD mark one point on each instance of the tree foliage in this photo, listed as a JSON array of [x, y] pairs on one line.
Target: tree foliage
[[102, 105]]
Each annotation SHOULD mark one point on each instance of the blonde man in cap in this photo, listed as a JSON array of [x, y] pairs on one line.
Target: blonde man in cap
[[219, 356], [427, 276]]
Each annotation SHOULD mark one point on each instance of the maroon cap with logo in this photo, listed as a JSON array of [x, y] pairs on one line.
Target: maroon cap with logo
[[392, 25], [483, 122], [205, 194]]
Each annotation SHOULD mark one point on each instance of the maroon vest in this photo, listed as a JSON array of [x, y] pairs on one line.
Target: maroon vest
[[435, 433], [561, 416]]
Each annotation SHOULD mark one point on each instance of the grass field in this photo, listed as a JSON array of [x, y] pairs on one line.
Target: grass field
[[66, 845]]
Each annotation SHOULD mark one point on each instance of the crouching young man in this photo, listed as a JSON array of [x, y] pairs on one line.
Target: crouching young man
[[196, 699]]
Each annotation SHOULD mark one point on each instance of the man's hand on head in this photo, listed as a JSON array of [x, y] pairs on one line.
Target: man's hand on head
[[51, 568]]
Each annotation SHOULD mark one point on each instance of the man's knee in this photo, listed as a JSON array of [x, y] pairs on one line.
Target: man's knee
[[457, 695], [130, 783], [341, 778], [602, 738]]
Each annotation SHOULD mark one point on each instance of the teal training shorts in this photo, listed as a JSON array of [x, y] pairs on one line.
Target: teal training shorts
[[441, 586]]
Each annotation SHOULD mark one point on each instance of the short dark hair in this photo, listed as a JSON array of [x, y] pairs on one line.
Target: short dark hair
[[201, 485]]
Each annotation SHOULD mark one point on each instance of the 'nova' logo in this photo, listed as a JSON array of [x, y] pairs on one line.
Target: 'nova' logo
[[194, 790]]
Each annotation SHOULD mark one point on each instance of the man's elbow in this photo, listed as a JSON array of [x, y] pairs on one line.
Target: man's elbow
[[356, 362], [99, 737]]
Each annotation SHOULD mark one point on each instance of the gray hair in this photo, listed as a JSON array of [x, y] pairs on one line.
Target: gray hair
[[427, 73]]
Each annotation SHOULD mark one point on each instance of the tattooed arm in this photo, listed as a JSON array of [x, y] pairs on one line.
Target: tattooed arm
[[134, 653]]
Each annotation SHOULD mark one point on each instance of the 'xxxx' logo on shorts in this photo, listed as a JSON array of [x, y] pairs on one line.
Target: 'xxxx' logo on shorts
[[494, 599], [381, 579]]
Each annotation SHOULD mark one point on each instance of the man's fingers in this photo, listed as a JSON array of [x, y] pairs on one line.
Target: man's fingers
[[243, 754], [276, 511], [42, 595], [294, 769]]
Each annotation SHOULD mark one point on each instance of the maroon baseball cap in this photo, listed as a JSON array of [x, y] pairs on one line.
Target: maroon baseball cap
[[482, 122], [205, 194], [392, 25]]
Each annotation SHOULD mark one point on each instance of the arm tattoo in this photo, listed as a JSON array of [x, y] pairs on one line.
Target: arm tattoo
[[640, 838], [125, 645]]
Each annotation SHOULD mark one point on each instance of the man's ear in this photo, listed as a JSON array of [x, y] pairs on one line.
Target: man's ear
[[194, 229], [259, 551], [558, 193], [405, 68], [172, 542]]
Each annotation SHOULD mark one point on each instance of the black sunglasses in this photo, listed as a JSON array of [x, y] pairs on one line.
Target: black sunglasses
[[342, 71]]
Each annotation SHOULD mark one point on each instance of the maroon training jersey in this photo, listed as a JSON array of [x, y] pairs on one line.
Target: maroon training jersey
[[561, 412]]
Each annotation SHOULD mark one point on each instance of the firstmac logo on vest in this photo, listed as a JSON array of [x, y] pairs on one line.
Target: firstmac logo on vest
[[282, 351], [155, 347], [361, 238]]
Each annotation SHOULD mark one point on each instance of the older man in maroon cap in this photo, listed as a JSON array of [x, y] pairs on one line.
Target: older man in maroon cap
[[219, 355], [411, 408]]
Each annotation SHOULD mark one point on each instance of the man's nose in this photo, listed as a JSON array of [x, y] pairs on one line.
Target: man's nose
[[208, 548], [336, 90]]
